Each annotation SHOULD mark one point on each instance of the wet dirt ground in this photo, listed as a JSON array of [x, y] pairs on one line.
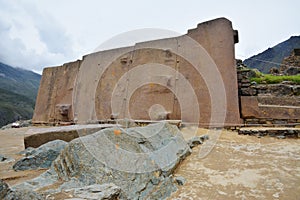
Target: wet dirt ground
[[242, 167], [12, 142], [238, 167]]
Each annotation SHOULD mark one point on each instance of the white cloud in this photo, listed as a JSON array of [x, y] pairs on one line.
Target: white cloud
[[31, 39], [35, 34]]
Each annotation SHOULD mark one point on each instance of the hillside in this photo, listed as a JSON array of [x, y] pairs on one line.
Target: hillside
[[18, 89], [272, 57]]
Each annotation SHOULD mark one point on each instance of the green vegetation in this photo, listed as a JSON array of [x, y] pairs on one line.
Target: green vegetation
[[272, 79], [18, 90], [19, 81], [14, 107]]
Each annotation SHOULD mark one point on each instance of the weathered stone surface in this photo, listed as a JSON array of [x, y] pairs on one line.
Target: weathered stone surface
[[280, 137], [23, 195], [138, 160], [280, 89], [291, 64], [99, 192], [248, 91], [4, 189], [38, 136], [296, 90], [268, 104], [56, 88], [7, 194], [251, 108], [64, 112], [274, 71], [5, 158], [88, 85], [197, 140], [280, 101], [293, 71], [180, 180], [278, 132], [2, 158], [41, 157], [28, 151]]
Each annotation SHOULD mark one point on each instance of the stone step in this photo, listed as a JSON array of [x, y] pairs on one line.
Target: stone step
[[35, 137]]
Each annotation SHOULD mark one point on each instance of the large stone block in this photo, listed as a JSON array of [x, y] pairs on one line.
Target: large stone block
[[38, 136], [253, 107], [56, 89], [191, 77]]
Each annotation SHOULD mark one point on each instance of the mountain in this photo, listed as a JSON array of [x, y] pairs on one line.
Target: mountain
[[273, 57], [18, 90]]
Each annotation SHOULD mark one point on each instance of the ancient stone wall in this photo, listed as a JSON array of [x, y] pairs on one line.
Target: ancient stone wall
[[268, 104], [54, 99], [291, 64], [192, 78]]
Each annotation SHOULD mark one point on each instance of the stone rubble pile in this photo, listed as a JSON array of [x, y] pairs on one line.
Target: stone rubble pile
[[133, 163]]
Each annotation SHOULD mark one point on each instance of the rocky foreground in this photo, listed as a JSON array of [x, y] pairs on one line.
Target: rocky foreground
[[238, 167], [116, 163]]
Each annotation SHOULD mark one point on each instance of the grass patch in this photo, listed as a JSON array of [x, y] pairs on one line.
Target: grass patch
[[272, 79]]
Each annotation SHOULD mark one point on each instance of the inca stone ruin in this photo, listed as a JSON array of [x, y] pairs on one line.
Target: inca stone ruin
[[192, 78], [81, 91]]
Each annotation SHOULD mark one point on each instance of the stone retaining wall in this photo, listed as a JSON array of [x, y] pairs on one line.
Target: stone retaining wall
[[280, 133], [267, 104]]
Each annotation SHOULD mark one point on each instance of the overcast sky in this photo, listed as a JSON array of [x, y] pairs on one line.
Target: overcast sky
[[39, 33]]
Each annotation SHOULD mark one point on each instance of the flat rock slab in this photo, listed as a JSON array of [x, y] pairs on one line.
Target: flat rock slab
[[279, 132], [38, 136]]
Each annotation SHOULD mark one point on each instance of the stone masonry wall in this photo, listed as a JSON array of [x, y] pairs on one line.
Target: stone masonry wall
[[149, 81], [268, 104], [54, 99], [291, 64]]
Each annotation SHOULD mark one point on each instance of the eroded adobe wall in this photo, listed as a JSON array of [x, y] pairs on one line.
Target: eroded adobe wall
[[151, 80]]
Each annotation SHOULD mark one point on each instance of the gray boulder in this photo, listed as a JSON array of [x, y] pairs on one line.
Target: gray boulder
[[7, 194], [180, 180], [197, 140], [296, 90], [194, 141], [41, 157], [4, 189], [292, 71], [5, 159], [139, 160], [28, 151]]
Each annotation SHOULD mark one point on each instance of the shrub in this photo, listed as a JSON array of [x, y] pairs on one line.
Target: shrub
[[272, 79]]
